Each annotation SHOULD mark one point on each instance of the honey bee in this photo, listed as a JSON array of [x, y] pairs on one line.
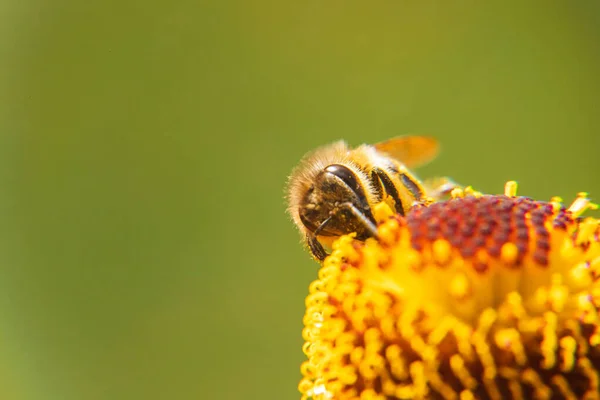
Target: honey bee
[[332, 192]]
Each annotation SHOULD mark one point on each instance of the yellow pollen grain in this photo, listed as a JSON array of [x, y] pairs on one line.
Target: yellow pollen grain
[[308, 348], [457, 364], [482, 256], [574, 328], [549, 341], [595, 339], [382, 212], [589, 310], [509, 253], [440, 332], [558, 293], [438, 384], [563, 386], [586, 230], [467, 395], [580, 275], [515, 389], [510, 188], [394, 356], [417, 373], [595, 265], [569, 252], [514, 307], [347, 375], [463, 334], [469, 191], [592, 374], [386, 232], [305, 385], [541, 391], [457, 193], [510, 340], [492, 388], [441, 251], [568, 345], [484, 352], [459, 286], [405, 392], [557, 203]]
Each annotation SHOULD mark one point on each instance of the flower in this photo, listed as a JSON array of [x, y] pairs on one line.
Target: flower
[[476, 297]]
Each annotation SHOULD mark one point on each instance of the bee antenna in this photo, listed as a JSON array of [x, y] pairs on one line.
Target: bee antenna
[[367, 223], [321, 226]]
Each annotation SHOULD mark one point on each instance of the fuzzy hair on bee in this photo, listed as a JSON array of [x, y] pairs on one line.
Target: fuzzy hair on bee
[[312, 164], [333, 189]]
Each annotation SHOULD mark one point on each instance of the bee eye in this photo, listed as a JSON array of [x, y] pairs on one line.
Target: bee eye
[[345, 174]]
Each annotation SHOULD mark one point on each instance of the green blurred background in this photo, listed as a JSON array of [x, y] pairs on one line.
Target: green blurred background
[[144, 145]]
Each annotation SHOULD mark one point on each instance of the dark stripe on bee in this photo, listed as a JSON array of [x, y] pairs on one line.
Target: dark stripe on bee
[[411, 186], [376, 182], [380, 177]]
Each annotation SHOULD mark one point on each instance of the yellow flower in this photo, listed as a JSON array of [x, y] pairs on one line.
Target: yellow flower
[[477, 297]]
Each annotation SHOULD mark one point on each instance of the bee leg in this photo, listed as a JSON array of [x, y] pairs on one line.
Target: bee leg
[[315, 246], [440, 187], [316, 249], [367, 223]]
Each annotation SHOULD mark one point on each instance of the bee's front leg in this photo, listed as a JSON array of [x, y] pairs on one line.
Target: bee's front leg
[[364, 220], [316, 249]]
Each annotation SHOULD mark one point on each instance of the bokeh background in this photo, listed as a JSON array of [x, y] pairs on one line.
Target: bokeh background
[[145, 252]]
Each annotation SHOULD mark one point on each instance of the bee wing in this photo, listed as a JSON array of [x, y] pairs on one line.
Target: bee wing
[[412, 151]]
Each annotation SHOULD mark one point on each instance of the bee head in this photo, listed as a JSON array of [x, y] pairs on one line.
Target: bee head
[[336, 204]]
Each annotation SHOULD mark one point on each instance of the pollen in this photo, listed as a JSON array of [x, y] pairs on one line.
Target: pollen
[[477, 297]]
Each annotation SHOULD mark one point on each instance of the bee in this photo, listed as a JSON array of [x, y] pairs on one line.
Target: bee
[[332, 191]]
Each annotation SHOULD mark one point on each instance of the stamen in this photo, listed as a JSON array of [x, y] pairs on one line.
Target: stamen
[[581, 204], [510, 189]]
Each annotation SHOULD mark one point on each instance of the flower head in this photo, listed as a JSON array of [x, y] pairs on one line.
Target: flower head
[[477, 297]]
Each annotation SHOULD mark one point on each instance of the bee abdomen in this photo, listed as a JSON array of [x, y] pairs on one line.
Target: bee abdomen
[[414, 188], [384, 184]]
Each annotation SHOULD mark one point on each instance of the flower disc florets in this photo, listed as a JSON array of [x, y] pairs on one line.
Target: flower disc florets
[[477, 297]]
